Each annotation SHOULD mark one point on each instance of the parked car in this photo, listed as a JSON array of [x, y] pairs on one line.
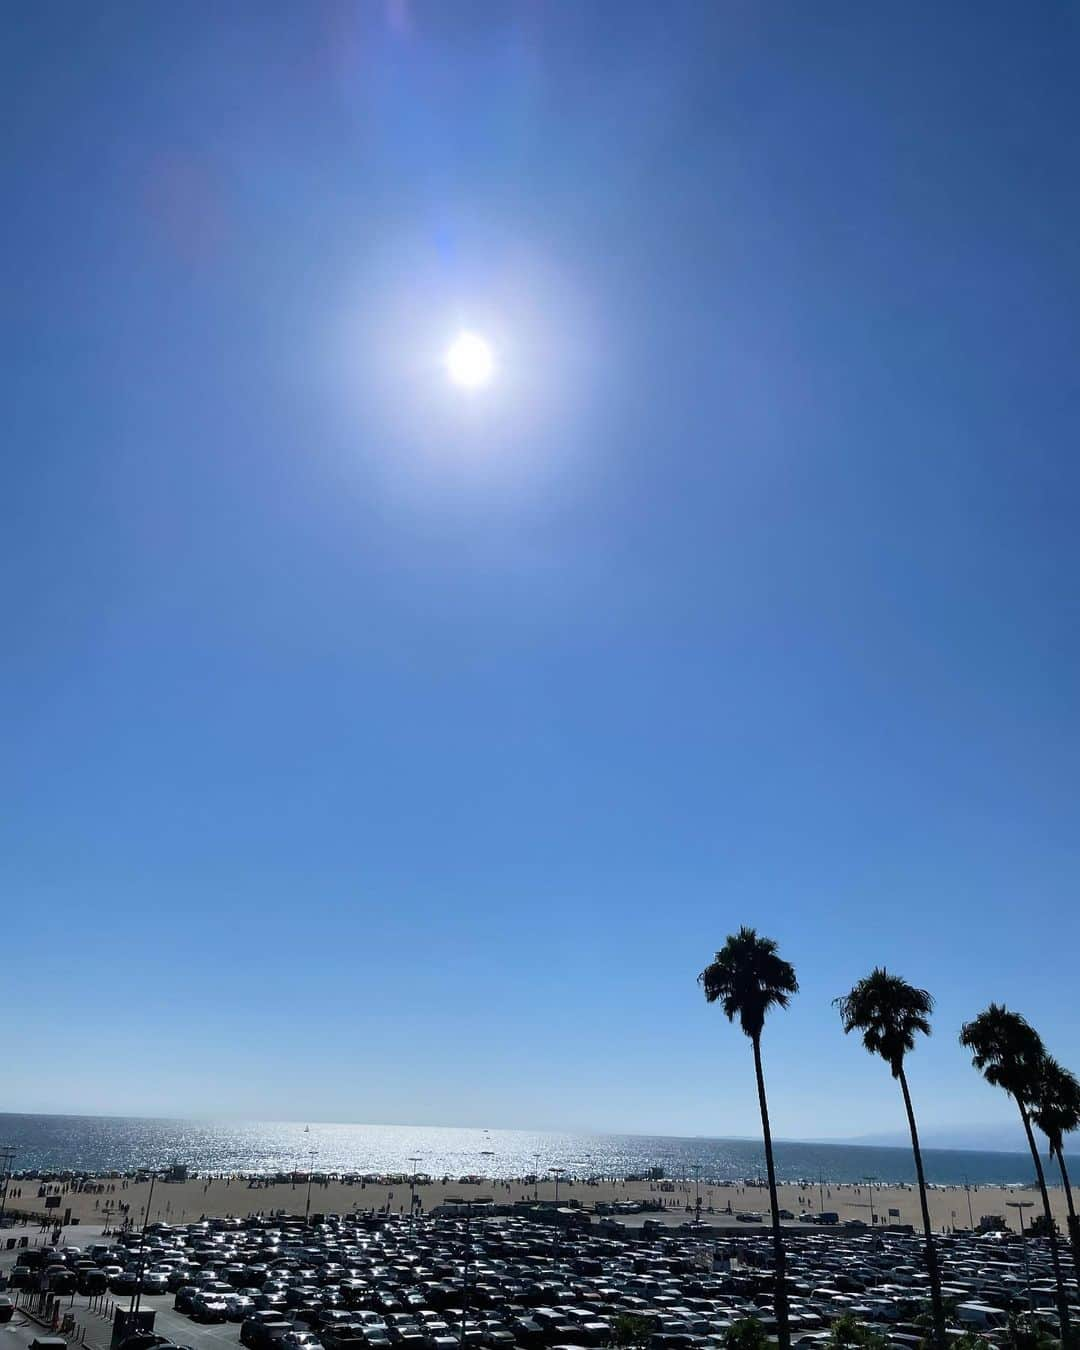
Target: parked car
[[301, 1340], [143, 1340], [208, 1307], [238, 1306], [258, 1332]]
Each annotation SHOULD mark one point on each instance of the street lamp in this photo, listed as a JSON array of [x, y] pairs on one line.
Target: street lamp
[[412, 1193], [7, 1157], [536, 1177], [558, 1173], [1020, 1206], [971, 1217], [465, 1276], [490, 1153], [136, 1293], [697, 1189], [312, 1155], [870, 1181]]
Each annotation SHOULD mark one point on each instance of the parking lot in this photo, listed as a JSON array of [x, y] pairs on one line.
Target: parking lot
[[529, 1281]]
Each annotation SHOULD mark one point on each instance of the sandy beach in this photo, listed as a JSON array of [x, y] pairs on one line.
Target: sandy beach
[[240, 1197]]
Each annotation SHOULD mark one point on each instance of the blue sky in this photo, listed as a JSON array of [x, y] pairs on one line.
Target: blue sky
[[375, 751]]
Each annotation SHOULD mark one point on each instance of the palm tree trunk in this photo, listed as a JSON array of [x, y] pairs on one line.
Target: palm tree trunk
[[1074, 1227], [780, 1304], [936, 1303], [1051, 1231]]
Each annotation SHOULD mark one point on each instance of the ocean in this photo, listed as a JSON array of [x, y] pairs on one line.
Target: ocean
[[125, 1143]]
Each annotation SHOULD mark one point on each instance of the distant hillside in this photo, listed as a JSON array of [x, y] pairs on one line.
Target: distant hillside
[[991, 1138]]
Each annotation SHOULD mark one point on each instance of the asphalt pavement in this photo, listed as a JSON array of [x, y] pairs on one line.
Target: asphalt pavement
[[18, 1333], [181, 1329]]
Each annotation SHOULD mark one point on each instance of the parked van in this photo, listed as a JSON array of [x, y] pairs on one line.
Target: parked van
[[980, 1315]]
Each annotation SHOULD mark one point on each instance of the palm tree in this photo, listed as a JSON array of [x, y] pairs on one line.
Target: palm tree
[[748, 977], [889, 1011], [1056, 1111], [1008, 1052]]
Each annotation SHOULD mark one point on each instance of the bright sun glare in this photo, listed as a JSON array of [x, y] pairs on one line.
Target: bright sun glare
[[470, 362]]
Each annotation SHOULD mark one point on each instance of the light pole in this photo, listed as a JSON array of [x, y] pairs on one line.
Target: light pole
[[312, 1155], [821, 1191], [558, 1173], [971, 1217], [412, 1193], [870, 1181], [465, 1277], [1020, 1206], [490, 1153], [536, 1177], [7, 1157], [697, 1190], [136, 1293]]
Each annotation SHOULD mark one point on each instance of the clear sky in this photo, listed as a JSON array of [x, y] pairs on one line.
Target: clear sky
[[378, 750]]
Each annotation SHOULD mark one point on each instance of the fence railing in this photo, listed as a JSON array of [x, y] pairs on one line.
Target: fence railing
[[50, 1312]]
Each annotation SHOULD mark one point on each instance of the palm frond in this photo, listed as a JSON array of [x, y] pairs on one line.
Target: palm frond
[[1007, 1051], [1056, 1102], [889, 1012], [748, 978]]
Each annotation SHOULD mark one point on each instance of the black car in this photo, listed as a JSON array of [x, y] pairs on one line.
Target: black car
[[527, 1331], [259, 1331], [143, 1340], [184, 1296]]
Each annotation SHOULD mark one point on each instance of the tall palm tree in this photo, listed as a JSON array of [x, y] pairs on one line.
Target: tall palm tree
[[748, 977], [1056, 1111], [889, 1011], [1008, 1052]]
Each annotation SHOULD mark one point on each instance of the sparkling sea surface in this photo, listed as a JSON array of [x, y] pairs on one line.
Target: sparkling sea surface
[[125, 1143]]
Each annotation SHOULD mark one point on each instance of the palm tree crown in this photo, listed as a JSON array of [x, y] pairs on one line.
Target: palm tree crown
[[1056, 1107], [748, 977], [888, 1011], [1006, 1049]]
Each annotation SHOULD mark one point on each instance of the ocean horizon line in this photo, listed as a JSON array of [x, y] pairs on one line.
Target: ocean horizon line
[[304, 1123]]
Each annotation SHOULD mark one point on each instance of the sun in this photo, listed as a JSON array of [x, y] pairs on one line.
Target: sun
[[470, 362]]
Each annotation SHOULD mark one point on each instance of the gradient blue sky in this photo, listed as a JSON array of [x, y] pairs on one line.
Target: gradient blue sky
[[373, 752]]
